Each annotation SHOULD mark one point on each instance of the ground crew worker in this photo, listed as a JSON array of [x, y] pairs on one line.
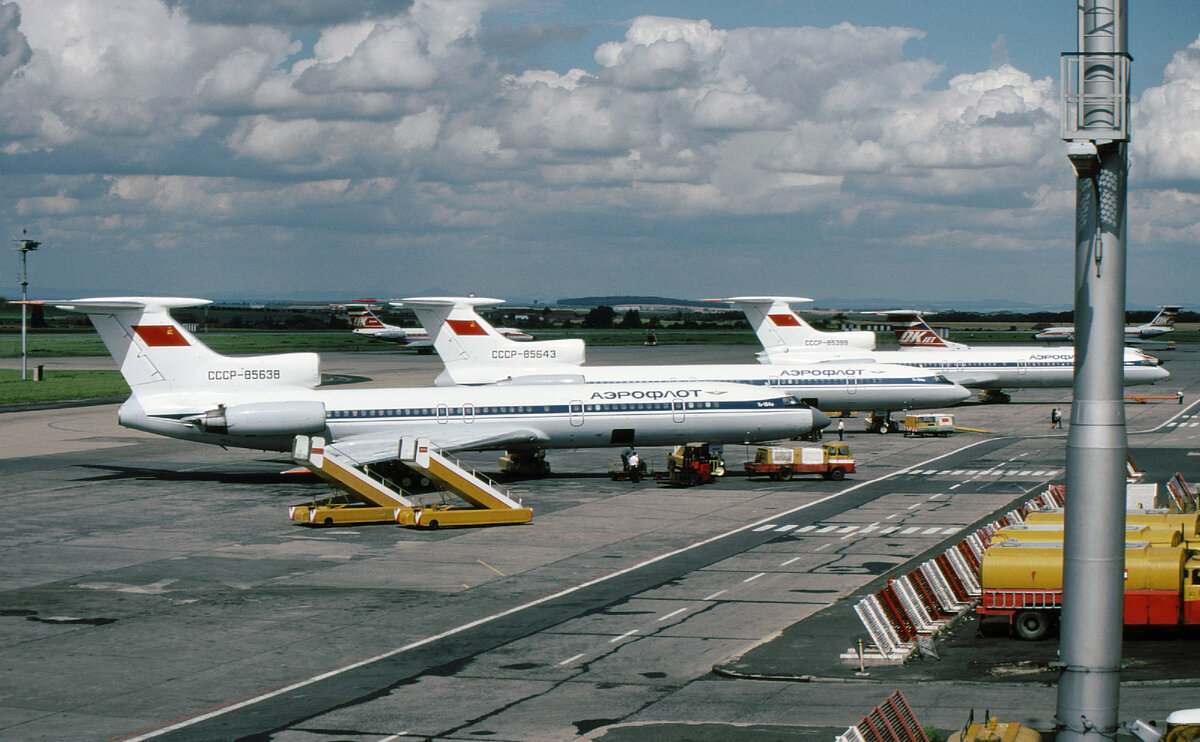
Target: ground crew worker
[[841, 429], [635, 472]]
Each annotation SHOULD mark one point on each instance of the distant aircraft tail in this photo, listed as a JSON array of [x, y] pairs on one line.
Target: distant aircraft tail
[[1166, 317], [362, 318], [474, 352], [911, 331], [779, 327], [158, 355]]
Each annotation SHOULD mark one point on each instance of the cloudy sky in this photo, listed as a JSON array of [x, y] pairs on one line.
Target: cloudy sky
[[541, 149]]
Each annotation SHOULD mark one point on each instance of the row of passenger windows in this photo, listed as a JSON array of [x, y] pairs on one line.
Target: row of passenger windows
[[456, 411]]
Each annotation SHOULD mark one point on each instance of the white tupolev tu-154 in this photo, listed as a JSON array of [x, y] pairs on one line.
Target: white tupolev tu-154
[[475, 353], [183, 389], [989, 369]]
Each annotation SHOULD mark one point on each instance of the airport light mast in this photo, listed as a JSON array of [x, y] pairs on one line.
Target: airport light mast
[[25, 247], [1096, 125]]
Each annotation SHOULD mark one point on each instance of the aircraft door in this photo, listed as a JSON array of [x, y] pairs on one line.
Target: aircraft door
[[677, 413], [576, 413], [1021, 368], [851, 385], [468, 413], [443, 414]]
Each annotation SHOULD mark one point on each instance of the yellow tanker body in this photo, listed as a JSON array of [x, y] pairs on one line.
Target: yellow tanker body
[[1023, 581], [1156, 535], [1187, 523]]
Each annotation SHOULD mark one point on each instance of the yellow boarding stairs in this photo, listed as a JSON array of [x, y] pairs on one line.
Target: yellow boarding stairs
[[371, 499]]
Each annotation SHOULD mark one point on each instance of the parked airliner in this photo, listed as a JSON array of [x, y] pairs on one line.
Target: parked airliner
[[990, 369], [183, 389], [364, 322], [1162, 323], [475, 353]]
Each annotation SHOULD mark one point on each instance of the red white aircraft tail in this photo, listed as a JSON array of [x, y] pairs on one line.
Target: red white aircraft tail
[[911, 331], [362, 318], [1166, 317], [157, 355], [474, 352], [778, 327]]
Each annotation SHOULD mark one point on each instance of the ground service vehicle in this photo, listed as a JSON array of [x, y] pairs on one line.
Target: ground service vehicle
[[1023, 582], [830, 460], [930, 424], [695, 463]]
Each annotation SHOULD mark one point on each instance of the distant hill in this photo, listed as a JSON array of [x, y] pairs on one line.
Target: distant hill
[[608, 301]]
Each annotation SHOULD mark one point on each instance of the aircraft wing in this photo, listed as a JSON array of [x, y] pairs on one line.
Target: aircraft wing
[[383, 446], [972, 379]]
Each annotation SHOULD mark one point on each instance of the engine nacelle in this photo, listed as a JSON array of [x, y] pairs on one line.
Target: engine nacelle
[[265, 418]]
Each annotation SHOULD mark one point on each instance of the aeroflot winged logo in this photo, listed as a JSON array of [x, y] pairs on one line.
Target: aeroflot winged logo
[[160, 336], [784, 320], [466, 327], [655, 394]]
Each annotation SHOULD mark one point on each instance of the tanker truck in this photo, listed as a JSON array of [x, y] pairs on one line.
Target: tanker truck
[[1022, 581]]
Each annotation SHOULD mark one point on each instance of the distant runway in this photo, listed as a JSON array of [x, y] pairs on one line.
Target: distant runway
[[155, 589]]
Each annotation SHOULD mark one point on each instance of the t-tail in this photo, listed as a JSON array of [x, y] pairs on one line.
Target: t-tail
[[474, 352], [780, 328], [911, 331], [157, 355]]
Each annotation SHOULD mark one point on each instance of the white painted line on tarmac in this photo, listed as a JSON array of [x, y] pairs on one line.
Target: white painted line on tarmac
[[253, 700], [767, 527], [806, 529], [673, 614], [785, 529], [793, 559], [910, 529], [626, 635], [569, 660], [752, 578]]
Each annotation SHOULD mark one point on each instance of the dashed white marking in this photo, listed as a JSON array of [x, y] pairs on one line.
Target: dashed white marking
[[569, 660], [957, 473], [872, 527], [673, 614], [893, 515], [714, 595], [848, 529], [948, 531], [626, 635], [767, 527], [822, 547], [826, 529], [955, 486], [888, 530], [940, 494], [806, 529], [911, 529], [914, 506], [793, 559], [785, 529], [752, 578], [929, 531]]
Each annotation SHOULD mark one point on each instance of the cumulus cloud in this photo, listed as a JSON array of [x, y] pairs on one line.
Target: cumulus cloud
[[403, 114]]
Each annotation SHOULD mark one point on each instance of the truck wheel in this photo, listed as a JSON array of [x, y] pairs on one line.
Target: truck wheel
[[1031, 625], [838, 474], [885, 429], [785, 474], [433, 525]]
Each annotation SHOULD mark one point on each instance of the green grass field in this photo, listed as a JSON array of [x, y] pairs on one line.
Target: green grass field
[[58, 386]]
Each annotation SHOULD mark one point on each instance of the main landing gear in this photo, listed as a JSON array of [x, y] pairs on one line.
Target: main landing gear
[[882, 422], [994, 396]]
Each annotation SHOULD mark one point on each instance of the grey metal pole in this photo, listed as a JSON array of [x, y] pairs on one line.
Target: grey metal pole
[[24, 284], [1094, 543]]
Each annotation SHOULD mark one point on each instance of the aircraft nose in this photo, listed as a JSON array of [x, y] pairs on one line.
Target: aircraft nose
[[820, 419]]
